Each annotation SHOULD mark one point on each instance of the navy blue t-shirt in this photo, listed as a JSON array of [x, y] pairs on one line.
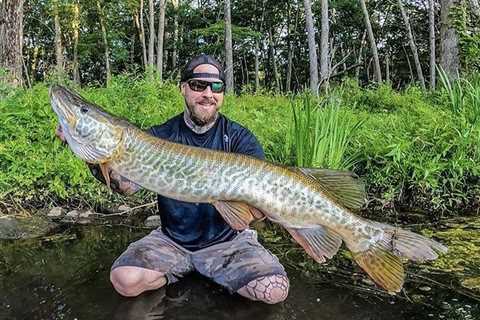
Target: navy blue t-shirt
[[199, 225]]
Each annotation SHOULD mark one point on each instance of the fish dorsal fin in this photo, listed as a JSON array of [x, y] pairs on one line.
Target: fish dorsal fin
[[319, 242], [238, 214], [342, 186]]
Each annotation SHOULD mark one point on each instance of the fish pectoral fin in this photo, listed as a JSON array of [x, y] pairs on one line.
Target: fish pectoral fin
[[106, 174], [382, 266], [319, 242], [238, 214], [343, 186]]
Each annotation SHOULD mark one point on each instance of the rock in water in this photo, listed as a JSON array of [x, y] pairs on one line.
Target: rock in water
[[153, 221], [24, 227]]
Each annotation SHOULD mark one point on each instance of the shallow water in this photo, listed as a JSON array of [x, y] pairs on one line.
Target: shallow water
[[66, 277]]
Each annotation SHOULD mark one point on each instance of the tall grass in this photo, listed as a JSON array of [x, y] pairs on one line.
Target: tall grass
[[463, 95], [320, 134]]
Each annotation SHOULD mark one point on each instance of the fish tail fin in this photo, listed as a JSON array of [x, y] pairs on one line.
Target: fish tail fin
[[382, 260]]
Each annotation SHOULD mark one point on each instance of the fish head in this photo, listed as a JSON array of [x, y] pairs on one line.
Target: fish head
[[91, 133]]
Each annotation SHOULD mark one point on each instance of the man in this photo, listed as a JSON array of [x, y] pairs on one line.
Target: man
[[193, 236]]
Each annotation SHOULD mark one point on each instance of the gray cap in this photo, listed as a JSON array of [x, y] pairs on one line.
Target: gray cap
[[188, 73]]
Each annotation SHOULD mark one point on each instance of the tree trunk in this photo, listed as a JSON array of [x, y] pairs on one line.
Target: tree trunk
[[59, 70], [431, 36], [257, 47], [151, 35], [409, 64], [11, 41], [176, 4], [160, 39], [387, 68], [475, 7], [76, 27], [271, 46], [142, 37], [373, 45], [312, 51], [247, 78], [105, 42], [228, 48], [413, 47], [288, 83], [33, 71], [360, 55], [324, 47], [257, 65], [449, 59]]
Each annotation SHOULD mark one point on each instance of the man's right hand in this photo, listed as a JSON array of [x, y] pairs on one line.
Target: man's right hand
[[59, 134], [118, 183]]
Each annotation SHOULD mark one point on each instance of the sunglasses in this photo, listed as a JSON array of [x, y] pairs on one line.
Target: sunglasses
[[200, 86]]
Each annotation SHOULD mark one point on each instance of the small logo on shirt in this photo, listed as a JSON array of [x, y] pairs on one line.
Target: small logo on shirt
[[225, 138]]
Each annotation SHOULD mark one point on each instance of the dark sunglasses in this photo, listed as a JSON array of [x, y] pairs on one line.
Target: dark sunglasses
[[200, 85]]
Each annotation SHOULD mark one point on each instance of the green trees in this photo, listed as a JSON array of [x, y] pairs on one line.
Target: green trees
[[275, 44]]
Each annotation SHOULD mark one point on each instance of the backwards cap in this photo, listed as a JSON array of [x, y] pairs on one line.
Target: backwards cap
[[188, 73]]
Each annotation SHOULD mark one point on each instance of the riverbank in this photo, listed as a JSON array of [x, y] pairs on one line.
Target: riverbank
[[414, 153]]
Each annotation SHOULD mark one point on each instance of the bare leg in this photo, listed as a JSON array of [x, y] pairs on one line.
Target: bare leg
[[270, 289], [132, 281]]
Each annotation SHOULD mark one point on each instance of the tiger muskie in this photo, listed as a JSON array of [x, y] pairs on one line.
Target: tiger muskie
[[314, 205]]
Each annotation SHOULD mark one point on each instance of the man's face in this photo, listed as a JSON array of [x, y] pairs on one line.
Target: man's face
[[203, 105]]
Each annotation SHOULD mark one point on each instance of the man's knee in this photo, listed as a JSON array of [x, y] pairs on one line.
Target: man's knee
[[132, 281], [270, 289]]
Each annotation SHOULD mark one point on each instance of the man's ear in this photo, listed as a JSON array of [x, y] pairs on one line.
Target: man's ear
[[182, 88]]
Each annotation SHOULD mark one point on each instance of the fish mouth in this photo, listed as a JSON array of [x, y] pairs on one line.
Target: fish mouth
[[63, 106]]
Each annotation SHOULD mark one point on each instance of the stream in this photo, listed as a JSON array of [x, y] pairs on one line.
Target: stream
[[66, 276]]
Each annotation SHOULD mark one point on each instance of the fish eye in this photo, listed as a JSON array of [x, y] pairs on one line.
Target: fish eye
[[83, 109]]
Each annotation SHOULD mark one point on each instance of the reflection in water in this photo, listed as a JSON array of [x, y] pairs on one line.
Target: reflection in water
[[68, 279]]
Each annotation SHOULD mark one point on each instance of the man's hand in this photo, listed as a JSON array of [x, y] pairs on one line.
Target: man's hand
[[118, 183], [59, 134]]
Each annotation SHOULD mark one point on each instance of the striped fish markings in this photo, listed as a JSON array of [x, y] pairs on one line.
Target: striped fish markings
[[313, 205]]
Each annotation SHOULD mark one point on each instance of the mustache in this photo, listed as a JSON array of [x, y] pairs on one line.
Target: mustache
[[207, 100]]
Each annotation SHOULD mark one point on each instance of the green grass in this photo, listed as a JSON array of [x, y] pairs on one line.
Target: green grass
[[320, 134]]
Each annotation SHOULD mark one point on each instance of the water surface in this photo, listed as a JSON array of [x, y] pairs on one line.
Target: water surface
[[66, 277]]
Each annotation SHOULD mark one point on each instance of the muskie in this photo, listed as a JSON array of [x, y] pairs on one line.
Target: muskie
[[313, 205]]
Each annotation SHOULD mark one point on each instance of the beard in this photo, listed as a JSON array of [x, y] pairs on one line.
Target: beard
[[201, 118]]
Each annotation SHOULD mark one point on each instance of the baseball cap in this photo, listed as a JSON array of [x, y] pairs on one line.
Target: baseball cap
[[188, 73]]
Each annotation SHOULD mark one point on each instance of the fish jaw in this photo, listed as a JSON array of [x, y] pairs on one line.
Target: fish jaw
[[92, 134]]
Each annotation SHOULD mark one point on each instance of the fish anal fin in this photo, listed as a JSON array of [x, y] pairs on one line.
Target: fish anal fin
[[383, 267], [319, 242], [238, 214], [106, 174]]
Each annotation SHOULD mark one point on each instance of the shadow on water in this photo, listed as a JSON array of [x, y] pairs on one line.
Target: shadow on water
[[66, 277]]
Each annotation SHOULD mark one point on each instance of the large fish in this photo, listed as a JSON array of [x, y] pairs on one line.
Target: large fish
[[313, 205]]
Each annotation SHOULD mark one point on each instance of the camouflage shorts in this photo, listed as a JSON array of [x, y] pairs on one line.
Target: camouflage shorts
[[232, 264]]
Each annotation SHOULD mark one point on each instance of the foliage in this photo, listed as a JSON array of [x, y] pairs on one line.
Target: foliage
[[320, 135], [464, 96], [6, 89], [412, 148], [468, 27]]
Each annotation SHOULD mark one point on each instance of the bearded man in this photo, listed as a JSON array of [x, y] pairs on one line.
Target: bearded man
[[194, 236]]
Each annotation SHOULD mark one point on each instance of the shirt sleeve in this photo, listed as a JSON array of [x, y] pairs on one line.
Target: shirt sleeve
[[246, 143]]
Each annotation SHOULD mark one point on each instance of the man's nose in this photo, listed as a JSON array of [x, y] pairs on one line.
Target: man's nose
[[208, 92]]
